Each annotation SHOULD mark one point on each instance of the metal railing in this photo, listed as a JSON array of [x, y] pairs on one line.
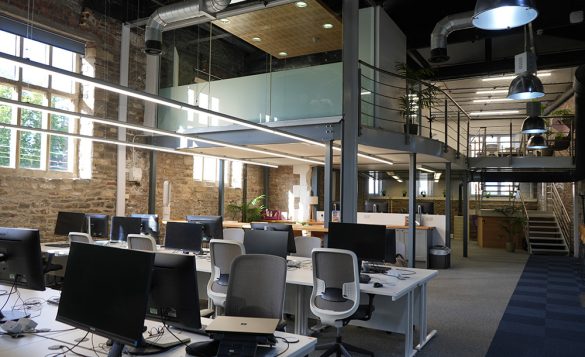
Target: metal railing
[[563, 218], [395, 102], [526, 223]]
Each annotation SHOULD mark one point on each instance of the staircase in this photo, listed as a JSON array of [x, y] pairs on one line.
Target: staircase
[[544, 234]]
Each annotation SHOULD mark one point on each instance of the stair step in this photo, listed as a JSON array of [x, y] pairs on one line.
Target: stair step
[[543, 244], [549, 252], [544, 234], [539, 240]]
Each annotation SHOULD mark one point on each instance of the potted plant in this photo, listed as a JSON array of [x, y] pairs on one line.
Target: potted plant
[[248, 211], [416, 95], [513, 224], [423, 193], [404, 192], [383, 193]]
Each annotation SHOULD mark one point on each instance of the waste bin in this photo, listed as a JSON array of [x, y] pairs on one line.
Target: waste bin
[[439, 257]]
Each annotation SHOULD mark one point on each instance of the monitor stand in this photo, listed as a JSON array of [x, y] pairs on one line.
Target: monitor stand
[[116, 350]]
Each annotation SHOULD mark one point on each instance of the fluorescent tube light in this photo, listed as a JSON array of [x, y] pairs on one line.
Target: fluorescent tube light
[[424, 168], [495, 112], [510, 77], [494, 91], [374, 158], [492, 100]]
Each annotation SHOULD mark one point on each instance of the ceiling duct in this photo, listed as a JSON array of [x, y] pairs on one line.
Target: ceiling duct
[[443, 29], [169, 14]]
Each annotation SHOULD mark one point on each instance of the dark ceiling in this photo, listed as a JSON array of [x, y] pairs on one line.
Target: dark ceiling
[[558, 42]]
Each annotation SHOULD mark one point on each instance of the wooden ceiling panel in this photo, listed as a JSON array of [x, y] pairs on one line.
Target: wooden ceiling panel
[[295, 30]]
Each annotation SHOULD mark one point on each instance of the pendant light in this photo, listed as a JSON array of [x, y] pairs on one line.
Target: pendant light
[[536, 142], [503, 14], [533, 124], [526, 85]]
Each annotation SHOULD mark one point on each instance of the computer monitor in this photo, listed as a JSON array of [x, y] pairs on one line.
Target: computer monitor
[[212, 226], [427, 207], [184, 236], [149, 224], [376, 206], [390, 251], [266, 242], [105, 291], [258, 226], [173, 297], [367, 241], [98, 225], [122, 226], [282, 227], [20, 263], [70, 222]]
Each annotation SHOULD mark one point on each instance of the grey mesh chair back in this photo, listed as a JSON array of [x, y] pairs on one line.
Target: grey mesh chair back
[[256, 287], [236, 234], [141, 242], [223, 252], [336, 286], [305, 245], [80, 237]]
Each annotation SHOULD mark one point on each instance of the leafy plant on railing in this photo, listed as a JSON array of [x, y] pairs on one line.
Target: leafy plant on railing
[[248, 211]]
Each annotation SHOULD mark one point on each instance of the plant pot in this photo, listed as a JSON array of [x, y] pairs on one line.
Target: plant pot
[[510, 247], [561, 144], [411, 129]]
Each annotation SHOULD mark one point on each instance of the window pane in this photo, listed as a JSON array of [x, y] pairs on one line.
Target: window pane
[[209, 169], [236, 174], [31, 143], [198, 168], [65, 60], [7, 136], [9, 45], [37, 52], [59, 146]]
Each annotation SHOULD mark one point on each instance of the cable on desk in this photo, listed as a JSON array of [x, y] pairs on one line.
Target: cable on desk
[[76, 345], [9, 293], [69, 349], [410, 272], [3, 292], [287, 345]]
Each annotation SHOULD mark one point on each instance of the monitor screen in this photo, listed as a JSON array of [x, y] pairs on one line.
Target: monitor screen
[[212, 226], [426, 207], [98, 225], [282, 227], [367, 241], [21, 262], [174, 298], [149, 224], [266, 242], [122, 226], [184, 236], [106, 291], [70, 222]]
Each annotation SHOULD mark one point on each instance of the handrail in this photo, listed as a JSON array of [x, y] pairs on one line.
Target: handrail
[[561, 214], [526, 224]]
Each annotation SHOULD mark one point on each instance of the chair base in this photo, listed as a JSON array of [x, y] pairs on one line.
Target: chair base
[[340, 348]]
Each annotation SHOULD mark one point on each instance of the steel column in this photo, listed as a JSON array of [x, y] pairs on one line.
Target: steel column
[[328, 183], [221, 188], [122, 117], [448, 211], [410, 244], [465, 188]]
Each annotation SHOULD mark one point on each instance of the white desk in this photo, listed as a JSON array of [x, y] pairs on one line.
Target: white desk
[[35, 345], [400, 304]]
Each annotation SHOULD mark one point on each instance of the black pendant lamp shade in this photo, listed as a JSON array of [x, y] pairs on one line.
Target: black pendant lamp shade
[[536, 142], [503, 14], [533, 125], [526, 86]]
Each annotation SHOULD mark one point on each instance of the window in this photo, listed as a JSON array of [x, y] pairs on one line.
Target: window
[[206, 169], [374, 186], [494, 189], [29, 150]]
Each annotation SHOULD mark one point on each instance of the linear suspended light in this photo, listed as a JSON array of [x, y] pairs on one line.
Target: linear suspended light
[[375, 158], [503, 14], [424, 168], [494, 91], [127, 125], [510, 77], [495, 112], [492, 100], [123, 143]]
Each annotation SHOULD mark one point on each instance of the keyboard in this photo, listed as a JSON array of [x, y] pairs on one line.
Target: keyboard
[[57, 245]]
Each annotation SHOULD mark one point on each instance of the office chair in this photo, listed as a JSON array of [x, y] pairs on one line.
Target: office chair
[[304, 246], [141, 242], [251, 294], [336, 295], [236, 234], [80, 237], [223, 252]]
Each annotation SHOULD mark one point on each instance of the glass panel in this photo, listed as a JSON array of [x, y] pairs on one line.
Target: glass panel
[[31, 146], [59, 146], [37, 52], [7, 136], [9, 44], [65, 60]]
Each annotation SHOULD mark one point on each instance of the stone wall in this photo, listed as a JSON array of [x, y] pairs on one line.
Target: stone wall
[[281, 181]]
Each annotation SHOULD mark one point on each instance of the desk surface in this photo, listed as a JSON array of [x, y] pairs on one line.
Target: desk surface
[[35, 345]]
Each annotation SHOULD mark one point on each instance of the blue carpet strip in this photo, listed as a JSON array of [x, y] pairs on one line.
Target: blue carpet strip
[[545, 315]]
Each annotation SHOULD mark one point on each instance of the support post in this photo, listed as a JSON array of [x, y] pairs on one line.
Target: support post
[[150, 112], [122, 117], [448, 211], [446, 126], [266, 186], [576, 240], [221, 188], [411, 239], [328, 183], [465, 213], [458, 132]]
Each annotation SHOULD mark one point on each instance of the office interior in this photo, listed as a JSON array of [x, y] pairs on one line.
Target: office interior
[[369, 112]]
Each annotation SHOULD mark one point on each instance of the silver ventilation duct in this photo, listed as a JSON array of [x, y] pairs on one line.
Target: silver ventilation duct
[[443, 29], [166, 15]]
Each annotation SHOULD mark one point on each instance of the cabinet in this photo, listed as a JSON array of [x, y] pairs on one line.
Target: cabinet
[[423, 242]]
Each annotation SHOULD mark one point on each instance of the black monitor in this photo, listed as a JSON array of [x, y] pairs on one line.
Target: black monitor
[[149, 224], [122, 226], [106, 292], [390, 251], [426, 207], [212, 226], [174, 298], [98, 225], [367, 241], [266, 242], [376, 206], [258, 226], [283, 227], [70, 222], [184, 236], [20, 263]]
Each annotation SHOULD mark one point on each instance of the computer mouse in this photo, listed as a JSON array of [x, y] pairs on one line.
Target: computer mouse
[[378, 285]]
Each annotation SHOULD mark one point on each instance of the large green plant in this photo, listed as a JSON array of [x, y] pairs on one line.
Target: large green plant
[[248, 211], [425, 96], [515, 220]]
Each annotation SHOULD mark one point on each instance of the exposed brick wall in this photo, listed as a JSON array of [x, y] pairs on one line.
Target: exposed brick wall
[[281, 181]]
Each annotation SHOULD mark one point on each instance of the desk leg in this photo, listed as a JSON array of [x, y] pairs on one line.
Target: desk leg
[[422, 324], [408, 335], [301, 315]]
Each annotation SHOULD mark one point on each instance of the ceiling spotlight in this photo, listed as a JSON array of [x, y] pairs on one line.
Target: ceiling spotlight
[[282, 54], [503, 14], [300, 4], [536, 142], [327, 26], [256, 39], [526, 86]]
